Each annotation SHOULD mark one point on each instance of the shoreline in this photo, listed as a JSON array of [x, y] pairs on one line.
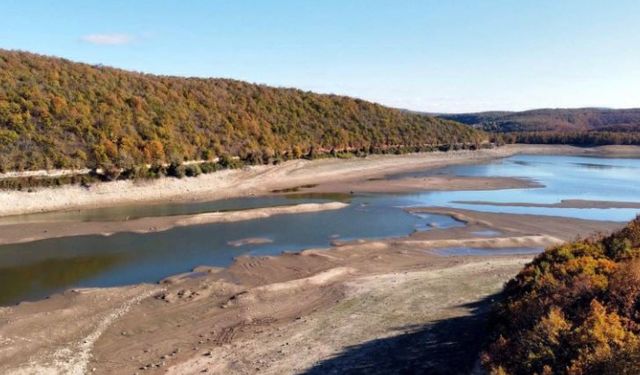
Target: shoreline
[[262, 180], [565, 203], [22, 233], [303, 302]]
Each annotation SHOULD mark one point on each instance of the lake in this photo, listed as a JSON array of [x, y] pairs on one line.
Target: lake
[[37, 269], [563, 177]]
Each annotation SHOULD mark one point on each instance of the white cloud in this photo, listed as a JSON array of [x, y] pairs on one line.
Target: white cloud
[[114, 39]]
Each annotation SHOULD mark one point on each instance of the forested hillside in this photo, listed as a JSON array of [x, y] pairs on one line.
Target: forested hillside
[[56, 113], [581, 126], [565, 120], [574, 310]]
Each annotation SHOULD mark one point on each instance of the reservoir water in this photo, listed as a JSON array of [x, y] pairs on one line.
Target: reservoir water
[[37, 269], [563, 177]]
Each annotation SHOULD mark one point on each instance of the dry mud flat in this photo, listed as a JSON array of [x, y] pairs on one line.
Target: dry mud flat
[[368, 306]]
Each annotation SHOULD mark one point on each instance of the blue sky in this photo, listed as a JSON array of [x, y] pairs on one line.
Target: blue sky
[[429, 55]]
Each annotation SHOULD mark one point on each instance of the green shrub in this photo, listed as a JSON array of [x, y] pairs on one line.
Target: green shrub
[[176, 170], [192, 170]]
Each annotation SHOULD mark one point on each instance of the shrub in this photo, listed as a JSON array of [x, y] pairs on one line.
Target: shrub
[[573, 310], [192, 170], [228, 162], [209, 167], [176, 170]]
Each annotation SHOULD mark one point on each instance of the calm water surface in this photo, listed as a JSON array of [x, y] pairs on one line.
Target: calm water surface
[[37, 269], [564, 177], [137, 211]]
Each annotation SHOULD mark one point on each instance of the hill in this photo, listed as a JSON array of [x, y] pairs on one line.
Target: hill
[[569, 120], [55, 113], [582, 126], [574, 310]]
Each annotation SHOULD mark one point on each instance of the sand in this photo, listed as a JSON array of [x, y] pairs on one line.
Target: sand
[[256, 180], [511, 225], [249, 241], [254, 213]]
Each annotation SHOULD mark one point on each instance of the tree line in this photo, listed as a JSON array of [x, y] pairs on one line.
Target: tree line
[[579, 138]]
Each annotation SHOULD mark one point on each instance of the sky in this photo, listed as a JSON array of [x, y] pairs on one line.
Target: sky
[[424, 55]]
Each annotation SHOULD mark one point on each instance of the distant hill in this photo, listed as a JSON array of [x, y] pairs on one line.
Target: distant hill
[[55, 113], [563, 120]]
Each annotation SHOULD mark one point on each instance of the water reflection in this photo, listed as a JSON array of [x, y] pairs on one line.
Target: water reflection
[[137, 211], [563, 177], [39, 278], [152, 256]]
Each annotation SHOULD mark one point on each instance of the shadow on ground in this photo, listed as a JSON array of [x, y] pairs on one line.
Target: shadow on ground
[[449, 346]]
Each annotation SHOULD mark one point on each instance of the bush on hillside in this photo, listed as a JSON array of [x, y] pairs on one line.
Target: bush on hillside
[[574, 310]]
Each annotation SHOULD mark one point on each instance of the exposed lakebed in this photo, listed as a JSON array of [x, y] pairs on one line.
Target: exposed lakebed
[[36, 269]]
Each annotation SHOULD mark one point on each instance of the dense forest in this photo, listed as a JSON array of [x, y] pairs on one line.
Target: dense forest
[[574, 310], [578, 119], [579, 138], [55, 113], [582, 126]]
